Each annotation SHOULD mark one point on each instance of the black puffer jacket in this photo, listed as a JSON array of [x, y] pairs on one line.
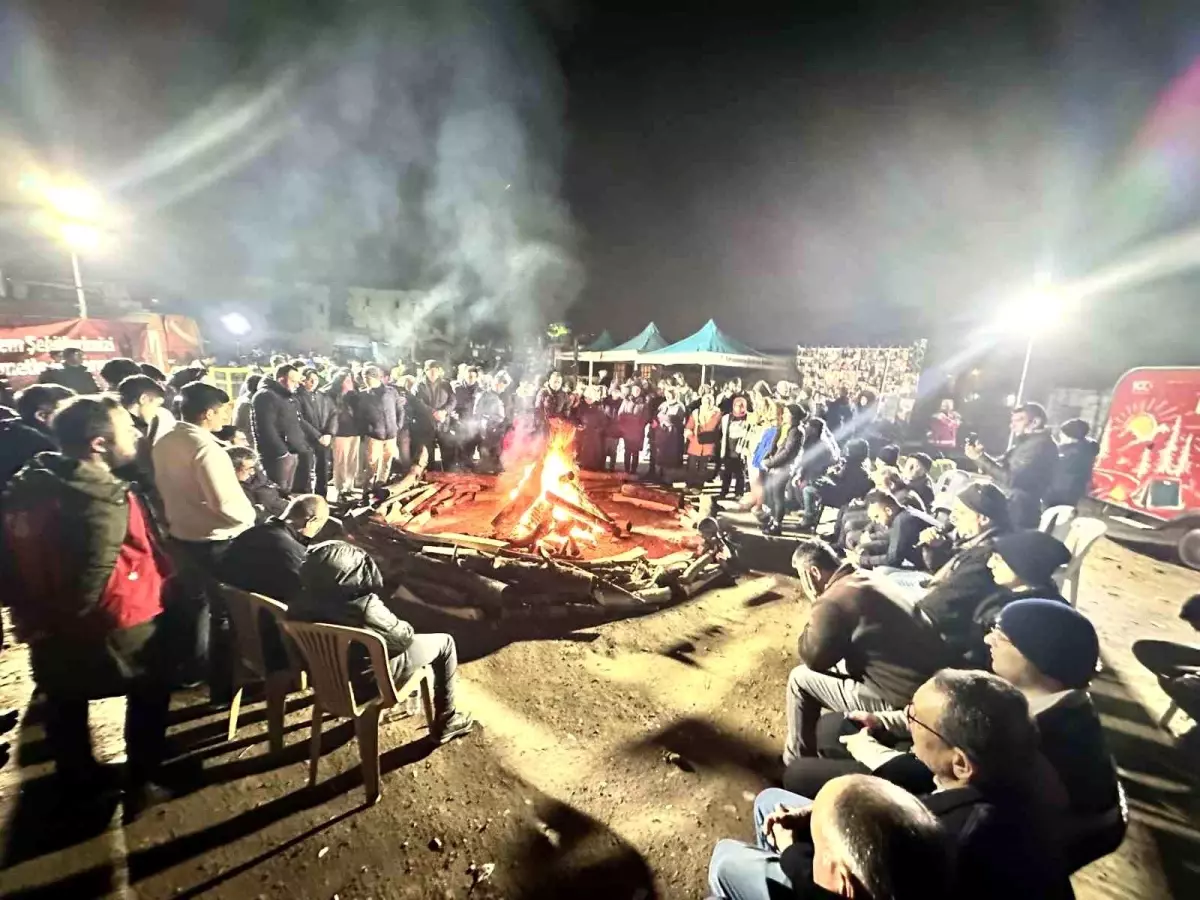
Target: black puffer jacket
[[341, 585], [276, 420], [787, 448], [1072, 473], [319, 410], [19, 443], [381, 412], [345, 405], [1028, 466]]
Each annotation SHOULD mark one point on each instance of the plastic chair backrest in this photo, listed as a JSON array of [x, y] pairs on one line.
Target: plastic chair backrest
[[940, 467], [1083, 533], [1054, 517], [244, 608], [326, 650]]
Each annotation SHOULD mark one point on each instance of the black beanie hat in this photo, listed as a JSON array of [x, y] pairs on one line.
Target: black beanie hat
[[986, 499], [1033, 555], [1056, 638]]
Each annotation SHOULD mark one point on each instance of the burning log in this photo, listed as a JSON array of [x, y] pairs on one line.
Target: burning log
[[527, 493], [598, 521]]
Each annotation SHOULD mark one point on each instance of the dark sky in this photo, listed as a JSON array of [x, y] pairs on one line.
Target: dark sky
[[802, 172]]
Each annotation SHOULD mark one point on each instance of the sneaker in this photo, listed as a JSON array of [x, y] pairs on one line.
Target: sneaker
[[458, 725]]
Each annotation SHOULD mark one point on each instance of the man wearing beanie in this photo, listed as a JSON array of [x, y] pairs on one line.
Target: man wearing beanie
[[1049, 652], [979, 516], [1022, 564]]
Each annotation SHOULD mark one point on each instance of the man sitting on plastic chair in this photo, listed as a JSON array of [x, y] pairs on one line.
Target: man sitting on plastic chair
[[340, 585]]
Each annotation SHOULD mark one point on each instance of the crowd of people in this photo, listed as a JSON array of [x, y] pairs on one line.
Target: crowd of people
[[911, 768], [127, 503]]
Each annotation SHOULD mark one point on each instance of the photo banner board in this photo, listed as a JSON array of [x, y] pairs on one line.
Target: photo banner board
[[25, 349], [887, 374]]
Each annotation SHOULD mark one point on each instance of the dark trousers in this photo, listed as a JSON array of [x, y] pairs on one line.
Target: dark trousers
[[129, 662], [696, 470], [322, 469], [734, 470], [633, 453], [282, 470], [775, 485], [198, 620]]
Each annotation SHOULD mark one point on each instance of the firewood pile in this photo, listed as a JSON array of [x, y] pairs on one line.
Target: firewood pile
[[483, 578]]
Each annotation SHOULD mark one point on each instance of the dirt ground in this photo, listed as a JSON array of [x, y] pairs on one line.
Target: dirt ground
[[610, 760]]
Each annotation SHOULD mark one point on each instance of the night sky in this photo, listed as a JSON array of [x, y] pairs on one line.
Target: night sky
[[801, 172]]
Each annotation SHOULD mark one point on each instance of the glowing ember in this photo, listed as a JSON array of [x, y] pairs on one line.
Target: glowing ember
[[559, 514]]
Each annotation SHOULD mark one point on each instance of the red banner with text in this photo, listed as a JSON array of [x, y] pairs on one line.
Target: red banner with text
[[25, 349]]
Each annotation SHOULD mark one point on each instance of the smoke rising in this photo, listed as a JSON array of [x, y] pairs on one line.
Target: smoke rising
[[409, 145]]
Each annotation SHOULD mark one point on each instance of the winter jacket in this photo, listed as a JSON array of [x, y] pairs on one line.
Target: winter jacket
[[277, 425], [922, 487], [243, 419], [700, 425], [1027, 467], [631, 420], [19, 443], [958, 589], [1072, 473], [319, 410], [734, 434], [381, 412], [81, 558], [838, 414], [860, 619], [341, 585], [815, 459], [267, 498], [464, 399], [786, 450], [77, 378], [345, 419], [1072, 740], [550, 404], [848, 482], [436, 397], [902, 539]]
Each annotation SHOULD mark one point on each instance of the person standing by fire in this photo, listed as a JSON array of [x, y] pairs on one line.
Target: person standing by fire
[[668, 436], [434, 393], [632, 418], [703, 433], [593, 422], [551, 402]]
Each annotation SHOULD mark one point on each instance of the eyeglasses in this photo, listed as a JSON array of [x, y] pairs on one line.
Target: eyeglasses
[[913, 720]]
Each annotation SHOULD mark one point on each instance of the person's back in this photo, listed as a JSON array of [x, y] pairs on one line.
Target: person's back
[[1073, 468], [71, 374], [19, 443]]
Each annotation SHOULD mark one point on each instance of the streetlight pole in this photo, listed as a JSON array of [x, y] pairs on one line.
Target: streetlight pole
[[82, 298], [1024, 372]]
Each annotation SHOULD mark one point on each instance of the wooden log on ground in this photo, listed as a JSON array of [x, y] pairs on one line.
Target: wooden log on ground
[[644, 504], [480, 589], [628, 556], [410, 505], [694, 568], [671, 498], [705, 580]]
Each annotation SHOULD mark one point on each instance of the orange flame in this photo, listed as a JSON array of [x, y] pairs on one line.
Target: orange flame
[[560, 476]]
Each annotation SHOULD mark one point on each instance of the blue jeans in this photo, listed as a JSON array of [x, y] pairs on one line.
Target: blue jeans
[[740, 871]]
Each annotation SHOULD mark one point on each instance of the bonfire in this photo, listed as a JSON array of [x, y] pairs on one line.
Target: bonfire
[[549, 509]]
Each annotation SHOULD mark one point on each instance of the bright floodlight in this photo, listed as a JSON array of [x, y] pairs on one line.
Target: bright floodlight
[[70, 200], [78, 236], [236, 324], [1038, 309]]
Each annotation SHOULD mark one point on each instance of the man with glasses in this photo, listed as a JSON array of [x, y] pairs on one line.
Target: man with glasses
[[972, 732], [860, 649]]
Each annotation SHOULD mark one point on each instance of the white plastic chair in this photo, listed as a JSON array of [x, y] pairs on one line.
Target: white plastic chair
[[1081, 537], [250, 664], [1056, 519], [326, 650]]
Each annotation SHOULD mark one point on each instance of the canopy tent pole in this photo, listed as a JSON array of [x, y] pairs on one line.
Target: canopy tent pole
[[702, 369], [591, 369]]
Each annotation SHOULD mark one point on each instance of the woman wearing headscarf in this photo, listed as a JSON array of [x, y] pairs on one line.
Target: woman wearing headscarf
[[777, 468], [703, 433], [631, 423]]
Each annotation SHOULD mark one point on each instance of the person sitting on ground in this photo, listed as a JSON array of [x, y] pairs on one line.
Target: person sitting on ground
[[1026, 469], [84, 575], [916, 477], [340, 584], [1049, 652], [858, 621], [71, 374], [1073, 469], [902, 528], [23, 438], [847, 482], [860, 838], [955, 591], [268, 498], [1177, 666]]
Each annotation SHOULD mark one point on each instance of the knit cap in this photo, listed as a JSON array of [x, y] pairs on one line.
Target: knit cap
[[1033, 555], [1056, 638], [987, 500]]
